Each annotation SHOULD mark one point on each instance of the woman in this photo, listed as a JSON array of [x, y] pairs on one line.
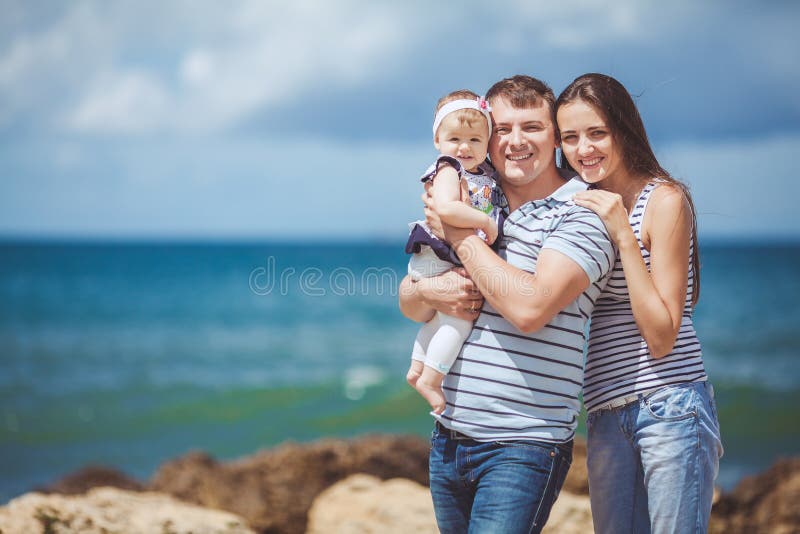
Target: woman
[[654, 443]]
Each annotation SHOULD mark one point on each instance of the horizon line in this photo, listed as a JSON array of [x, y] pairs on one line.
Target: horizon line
[[304, 240]]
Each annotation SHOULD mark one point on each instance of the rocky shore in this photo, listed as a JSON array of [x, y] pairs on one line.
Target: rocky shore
[[369, 484]]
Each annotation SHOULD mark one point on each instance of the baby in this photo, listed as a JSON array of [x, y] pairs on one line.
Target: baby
[[461, 131]]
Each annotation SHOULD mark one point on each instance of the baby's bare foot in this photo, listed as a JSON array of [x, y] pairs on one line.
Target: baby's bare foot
[[429, 385], [433, 394]]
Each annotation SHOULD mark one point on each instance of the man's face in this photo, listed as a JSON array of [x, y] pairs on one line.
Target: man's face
[[523, 142]]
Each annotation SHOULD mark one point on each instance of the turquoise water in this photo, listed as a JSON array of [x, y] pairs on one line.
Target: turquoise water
[[131, 354]]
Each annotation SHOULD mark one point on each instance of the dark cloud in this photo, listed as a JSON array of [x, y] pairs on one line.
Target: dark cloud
[[706, 82]]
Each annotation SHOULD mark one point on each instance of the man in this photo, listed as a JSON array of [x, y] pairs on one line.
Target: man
[[503, 445]]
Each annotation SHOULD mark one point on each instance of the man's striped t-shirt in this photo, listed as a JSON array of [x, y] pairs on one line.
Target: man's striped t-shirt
[[507, 385]]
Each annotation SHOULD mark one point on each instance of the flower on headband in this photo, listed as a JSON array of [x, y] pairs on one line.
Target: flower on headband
[[482, 103]]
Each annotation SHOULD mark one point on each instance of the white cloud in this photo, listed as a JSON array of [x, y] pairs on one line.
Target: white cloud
[[39, 71], [273, 55], [197, 68], [203, 65], [123, 102], [230, 60], [227, 63], [571, 25]]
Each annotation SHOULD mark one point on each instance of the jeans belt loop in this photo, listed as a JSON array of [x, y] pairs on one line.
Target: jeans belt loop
[[452, 434]]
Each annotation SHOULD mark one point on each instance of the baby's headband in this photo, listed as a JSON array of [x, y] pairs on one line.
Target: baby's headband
[[479, 104]]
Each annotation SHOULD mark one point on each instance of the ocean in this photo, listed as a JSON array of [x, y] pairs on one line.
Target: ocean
[[131, 354]]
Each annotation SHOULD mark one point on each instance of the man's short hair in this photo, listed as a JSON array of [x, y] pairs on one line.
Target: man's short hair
[[524, 92]]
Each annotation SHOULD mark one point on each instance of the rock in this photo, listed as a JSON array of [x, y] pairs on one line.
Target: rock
[[104, 510], [364, 504], [766, 502], [92, 476], [273, 489], [571, 514], [577, 481]]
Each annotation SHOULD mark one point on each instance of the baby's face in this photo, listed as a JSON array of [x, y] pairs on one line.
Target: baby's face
[[467, 143]]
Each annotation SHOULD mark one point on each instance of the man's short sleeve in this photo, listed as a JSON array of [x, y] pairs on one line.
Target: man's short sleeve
[[583, 237]]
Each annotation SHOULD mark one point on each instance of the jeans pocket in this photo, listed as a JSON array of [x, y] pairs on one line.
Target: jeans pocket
[[558, 473], [672, 403], [712, 403], [590, 417]]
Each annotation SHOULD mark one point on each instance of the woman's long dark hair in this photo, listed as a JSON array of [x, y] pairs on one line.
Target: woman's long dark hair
[[614, 103]]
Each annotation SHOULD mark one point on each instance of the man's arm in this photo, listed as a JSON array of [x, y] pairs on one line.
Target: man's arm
[[528, 301], [575, 254]]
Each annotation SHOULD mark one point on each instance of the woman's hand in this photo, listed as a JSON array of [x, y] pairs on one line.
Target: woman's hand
[[452, 293], [609, 207]]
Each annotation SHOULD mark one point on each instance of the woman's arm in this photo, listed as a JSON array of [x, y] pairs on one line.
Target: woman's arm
[[657, 297]]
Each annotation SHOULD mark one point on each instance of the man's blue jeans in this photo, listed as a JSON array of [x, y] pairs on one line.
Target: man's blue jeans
[[652, 463], [495, 487]]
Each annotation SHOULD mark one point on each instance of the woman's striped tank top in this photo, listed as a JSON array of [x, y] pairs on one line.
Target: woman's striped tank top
[[618, 363]]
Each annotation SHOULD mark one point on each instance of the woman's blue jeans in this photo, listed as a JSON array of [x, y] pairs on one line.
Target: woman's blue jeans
[[495, 487], [652, 463]]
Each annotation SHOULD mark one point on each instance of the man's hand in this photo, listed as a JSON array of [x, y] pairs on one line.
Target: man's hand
[[452, 293]]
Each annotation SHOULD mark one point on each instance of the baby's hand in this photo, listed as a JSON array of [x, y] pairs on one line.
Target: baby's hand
[[491, 231]]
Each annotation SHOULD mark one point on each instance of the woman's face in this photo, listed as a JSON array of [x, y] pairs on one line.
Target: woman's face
[[587, 143]]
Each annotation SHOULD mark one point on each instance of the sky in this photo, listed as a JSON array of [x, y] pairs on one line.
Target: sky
[[311, 119]]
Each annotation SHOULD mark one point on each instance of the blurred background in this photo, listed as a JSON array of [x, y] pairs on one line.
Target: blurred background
[[203, 207]]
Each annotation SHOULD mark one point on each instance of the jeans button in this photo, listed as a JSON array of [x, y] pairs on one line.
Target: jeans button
[[552, 454]]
